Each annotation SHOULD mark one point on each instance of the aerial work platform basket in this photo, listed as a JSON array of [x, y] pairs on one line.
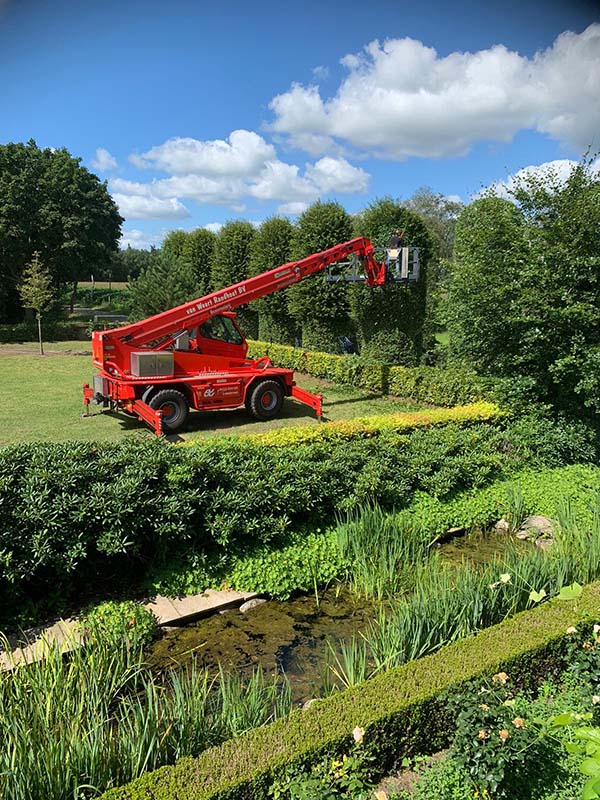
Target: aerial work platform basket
[[402, 266]]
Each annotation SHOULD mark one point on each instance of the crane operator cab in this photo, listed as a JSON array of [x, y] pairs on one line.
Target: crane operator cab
[[219, 335]]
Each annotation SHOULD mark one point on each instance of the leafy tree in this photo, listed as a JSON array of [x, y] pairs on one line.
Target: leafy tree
[[129, 263], [322, 309], [174, 243], [37, 291], [49, 203], [487, 288], [396, 310], [198, 253], [231, 264], [270, 248], [440, 213], [526, 291]]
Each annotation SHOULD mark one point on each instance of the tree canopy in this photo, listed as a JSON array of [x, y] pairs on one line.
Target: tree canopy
[[322, 309], [525, 294], [49, 203]]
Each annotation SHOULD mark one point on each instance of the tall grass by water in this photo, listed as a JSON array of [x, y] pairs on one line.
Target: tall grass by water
[[73, 726], [383, 550], [449, 602]]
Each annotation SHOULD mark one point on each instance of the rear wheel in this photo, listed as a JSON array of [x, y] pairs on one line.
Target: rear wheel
[[174, 406], [266, 399]]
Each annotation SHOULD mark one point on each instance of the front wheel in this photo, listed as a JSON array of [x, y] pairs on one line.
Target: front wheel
[[174, 406], [266, 399]]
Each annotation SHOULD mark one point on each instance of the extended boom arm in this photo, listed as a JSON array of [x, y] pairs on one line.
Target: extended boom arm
[[194, 313]]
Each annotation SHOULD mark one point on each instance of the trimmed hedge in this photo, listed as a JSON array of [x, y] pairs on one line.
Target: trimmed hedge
[[72, 510], [368, 427], [400, 710], [52, 332], [435, 385]]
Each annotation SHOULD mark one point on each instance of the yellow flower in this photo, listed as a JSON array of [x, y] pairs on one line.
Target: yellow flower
[[358, 734], [500, 677], [596, 699], [508, 703], [571, 629], [503, 734], [596, 628], [505, 577], [484, 707], [381, 795], [518, 722], [483, 734]]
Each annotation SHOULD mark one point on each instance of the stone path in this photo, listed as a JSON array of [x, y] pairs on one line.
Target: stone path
[[168, 611]]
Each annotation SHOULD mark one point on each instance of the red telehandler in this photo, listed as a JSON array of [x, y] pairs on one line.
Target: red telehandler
[[194, 356]]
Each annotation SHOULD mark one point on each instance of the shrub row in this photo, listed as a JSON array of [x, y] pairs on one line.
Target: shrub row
[[302, 559], [368, 427], [435, 385], [400, 710], [52, 332], [74, 509]]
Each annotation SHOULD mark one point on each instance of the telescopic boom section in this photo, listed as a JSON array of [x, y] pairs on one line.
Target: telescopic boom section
[[194, 313]]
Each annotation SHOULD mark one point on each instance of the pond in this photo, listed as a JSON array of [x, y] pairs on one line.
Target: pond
[[295, 636]]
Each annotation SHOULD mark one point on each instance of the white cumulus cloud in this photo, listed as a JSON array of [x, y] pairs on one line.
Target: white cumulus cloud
[[138, 206], [558, 171], [215, 227], [293, 209], [103, 160], [244, 153], [402, 99], [140, 239]]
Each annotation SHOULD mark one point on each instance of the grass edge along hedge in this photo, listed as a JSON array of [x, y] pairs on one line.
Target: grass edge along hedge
[[400, 710], [440, 386]]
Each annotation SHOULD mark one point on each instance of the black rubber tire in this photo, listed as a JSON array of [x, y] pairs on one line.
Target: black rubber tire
[[173, 402], [266, 399]]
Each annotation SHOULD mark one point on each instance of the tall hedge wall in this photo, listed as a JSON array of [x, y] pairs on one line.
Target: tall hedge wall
[[400, 710]]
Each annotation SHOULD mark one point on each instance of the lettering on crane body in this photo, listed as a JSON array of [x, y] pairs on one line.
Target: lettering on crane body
[[217, 299]]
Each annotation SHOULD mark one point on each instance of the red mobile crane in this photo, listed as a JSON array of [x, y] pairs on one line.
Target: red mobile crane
[[194, 356]]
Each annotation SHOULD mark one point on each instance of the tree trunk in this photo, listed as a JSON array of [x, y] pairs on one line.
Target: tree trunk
[[40, 334], [73, 295]]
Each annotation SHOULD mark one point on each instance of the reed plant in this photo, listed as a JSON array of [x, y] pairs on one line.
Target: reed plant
[[450, 602], [382, 551], [72, 726]]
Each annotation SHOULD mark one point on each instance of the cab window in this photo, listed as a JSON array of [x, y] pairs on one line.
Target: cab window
[[222, 329]]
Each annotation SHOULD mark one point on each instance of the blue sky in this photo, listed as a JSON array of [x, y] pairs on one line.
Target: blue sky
[[197, 113]]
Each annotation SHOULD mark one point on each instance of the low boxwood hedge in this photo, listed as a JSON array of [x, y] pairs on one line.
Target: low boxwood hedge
[[401, 710], [53, 332], [447, 386], [368, 427]]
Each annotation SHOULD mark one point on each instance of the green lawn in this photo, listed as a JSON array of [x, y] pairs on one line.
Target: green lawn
[[41, 399]]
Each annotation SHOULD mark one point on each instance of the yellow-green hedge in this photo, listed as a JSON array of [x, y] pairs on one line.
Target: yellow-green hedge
[[366, 427]]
